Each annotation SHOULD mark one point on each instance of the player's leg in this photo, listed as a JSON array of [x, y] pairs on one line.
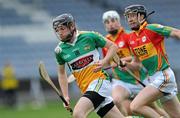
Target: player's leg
[[172, 106], [82, 108], [135, 89], [140, 102], [162, 82], [113, 113], [119, 94], [159, 109], [170, 102], [97, 97], [155, 105], [126, 104]]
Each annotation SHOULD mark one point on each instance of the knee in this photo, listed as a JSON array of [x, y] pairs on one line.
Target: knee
[[78, 114], [117, 100], [134, 108]]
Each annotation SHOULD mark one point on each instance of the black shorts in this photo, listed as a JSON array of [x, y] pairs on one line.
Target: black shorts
[[97, 99]]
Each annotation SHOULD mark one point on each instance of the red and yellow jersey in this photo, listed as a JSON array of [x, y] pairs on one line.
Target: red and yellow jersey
[[148, 45], [121, 40]]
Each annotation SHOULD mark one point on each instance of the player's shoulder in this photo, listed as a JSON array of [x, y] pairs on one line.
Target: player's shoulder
[[154, 26], [108, 36], [88, 33], [58, 48]]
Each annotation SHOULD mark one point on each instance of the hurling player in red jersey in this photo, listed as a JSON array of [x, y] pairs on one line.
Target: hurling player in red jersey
[[125, 86], [147, 44]]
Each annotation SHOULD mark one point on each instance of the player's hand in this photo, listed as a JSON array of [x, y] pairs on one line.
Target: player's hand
[[99, 65], [113, 65], [67, 106], [122, 64]]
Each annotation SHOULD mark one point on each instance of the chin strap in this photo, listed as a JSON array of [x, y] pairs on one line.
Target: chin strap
[[152, 12]]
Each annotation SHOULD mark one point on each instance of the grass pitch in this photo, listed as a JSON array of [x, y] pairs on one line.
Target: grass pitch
[[51, 110]]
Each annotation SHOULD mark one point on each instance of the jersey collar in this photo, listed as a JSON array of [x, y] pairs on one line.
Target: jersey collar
[[141, 28], [113, 38], [74, 41]]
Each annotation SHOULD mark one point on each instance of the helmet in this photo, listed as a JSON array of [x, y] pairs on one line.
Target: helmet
[[136, 9], [110, 14], [63, 19]]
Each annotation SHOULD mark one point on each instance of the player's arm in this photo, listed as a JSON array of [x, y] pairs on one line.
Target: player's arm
[[102, 42], [112, 49], [135, 64], [62, 78], [165, 30], [175, 33], [127, 59]]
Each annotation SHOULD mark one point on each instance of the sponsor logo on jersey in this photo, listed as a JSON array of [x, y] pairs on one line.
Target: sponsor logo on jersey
[[132, 42], [66, 56], [144, 39], [87, 47], [141, 51], [58, 50], [121, 44], [82, 62]]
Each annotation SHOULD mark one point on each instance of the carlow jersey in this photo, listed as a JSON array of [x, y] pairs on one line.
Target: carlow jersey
[[123, 51], [148, 45], [81, 56]]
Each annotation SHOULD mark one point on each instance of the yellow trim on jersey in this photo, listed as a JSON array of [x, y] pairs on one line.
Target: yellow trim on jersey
[[98, 85], [85, 76], [114, 37]]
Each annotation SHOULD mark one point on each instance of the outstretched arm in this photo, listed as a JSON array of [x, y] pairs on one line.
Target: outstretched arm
[[175, 33]]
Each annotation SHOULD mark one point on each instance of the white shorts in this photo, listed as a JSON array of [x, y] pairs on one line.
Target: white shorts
[[104, 88], [165, 82], [133, 89]]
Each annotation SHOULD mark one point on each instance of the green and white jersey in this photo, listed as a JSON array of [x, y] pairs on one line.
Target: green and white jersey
[[81, 56]]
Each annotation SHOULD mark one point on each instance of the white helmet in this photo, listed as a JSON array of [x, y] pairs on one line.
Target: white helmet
[[110, 14]]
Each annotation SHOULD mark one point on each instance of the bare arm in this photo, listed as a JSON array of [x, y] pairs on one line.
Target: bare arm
[[62, 78], [127, 59], [175, 33], [112, 49], [135, 64]]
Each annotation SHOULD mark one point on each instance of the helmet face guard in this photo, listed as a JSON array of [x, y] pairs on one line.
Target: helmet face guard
[[65, 20], [136, 9]]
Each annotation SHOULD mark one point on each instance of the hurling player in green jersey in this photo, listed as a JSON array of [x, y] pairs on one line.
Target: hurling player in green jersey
[[79, 50]]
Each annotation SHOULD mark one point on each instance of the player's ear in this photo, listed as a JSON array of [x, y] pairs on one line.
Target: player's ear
[[72, 25], [142, 17]]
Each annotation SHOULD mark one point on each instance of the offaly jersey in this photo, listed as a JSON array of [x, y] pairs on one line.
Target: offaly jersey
[[120, 39], [81, 56], [148, 45]]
